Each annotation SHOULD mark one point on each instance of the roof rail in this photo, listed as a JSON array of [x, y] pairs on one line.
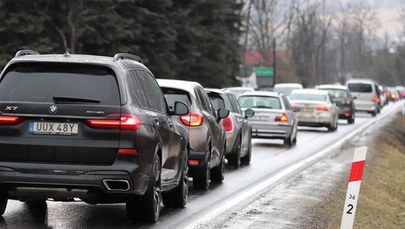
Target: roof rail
[[120, 56], [26, 52]]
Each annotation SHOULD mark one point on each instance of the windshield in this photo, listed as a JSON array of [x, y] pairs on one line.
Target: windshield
[[260, 102], [45, 82], [336, 93]]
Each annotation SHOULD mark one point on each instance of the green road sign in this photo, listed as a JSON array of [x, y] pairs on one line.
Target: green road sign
[[263, 71]]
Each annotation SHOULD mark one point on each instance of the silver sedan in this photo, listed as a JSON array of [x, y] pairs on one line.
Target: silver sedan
[[273, 119], [314, 108]]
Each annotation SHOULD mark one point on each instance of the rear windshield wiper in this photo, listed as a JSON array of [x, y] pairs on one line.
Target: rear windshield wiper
[[58, 99], [262, 106]]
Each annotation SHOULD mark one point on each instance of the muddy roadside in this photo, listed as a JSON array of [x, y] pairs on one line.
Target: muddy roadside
[[315, 197]]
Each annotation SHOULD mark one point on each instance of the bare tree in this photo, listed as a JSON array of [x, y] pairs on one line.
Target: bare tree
[[308, 40], [269, 19]]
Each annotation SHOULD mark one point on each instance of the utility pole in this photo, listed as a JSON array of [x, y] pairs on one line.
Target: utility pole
[[246, 39], [274, 61]]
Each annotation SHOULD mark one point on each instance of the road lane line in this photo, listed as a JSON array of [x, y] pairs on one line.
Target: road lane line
[[233, 201]]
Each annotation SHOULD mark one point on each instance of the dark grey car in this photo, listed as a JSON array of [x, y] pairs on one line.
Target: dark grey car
[[237, 128], [207, 136], [343, 99], [89, 127]]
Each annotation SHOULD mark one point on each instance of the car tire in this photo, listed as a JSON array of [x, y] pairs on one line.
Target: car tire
[[288, 141], [351, 119], [3, 202], [248, 157], [294, 140], [201, 178], [330, 127], [336, 124], [218, 173], [374, 113], [152, 198], [235, 157], [177, 198]]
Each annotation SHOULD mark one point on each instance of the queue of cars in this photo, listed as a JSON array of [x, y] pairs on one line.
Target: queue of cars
[[104, 130]]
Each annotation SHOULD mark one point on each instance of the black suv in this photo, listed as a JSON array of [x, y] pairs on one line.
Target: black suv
[[89, 127]]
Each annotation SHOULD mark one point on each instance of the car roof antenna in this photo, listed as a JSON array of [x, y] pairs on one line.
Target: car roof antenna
[[66, 54]]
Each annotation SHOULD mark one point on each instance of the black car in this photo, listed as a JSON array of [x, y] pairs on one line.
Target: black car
[[343, 99], [89, 127]]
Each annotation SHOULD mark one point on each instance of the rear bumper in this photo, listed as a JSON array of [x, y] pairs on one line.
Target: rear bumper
[[271, 131], [196, 161], [315, 120], [345, 110], [365, 106], [58, 181]]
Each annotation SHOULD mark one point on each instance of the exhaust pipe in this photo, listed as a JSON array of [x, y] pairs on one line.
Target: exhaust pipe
[[116, 185]]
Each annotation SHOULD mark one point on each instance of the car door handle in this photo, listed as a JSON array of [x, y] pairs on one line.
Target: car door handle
[[156, 121], [171, 125]]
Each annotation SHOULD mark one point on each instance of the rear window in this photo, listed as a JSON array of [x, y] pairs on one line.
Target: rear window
[[360, 87], [260, 102], [42, 82], [173, 95], [216, 101], [311, 97]]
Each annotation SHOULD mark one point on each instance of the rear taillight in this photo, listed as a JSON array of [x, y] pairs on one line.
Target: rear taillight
[[387, 93], [375, 99], [10, 120], [193, 119], [127, 151], [116, 121], [227, 123], [394, 96], [323, 108], [193, 162], [402, 93], [282, 118]]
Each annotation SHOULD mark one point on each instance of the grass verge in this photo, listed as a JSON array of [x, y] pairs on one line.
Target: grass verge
[[381, 202]]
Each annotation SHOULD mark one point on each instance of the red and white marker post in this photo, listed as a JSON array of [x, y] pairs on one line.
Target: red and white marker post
[[353, 188]]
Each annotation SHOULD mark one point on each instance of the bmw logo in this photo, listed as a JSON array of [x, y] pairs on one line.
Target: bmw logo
[[53, 109]]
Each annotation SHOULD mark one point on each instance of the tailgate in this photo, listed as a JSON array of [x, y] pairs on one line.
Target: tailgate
[[47, 107]]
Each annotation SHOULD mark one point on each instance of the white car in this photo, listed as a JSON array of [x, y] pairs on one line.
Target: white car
[[314, 108]]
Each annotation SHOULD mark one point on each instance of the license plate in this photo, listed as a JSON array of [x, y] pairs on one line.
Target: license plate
[[306, 110], [54, 128], [260, 118]]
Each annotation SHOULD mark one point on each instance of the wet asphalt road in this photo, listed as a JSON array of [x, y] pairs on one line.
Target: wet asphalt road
[[268, 157]]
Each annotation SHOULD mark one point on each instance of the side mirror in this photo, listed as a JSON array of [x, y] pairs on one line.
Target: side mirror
[[249, 113], [222, 113], [180, 108]]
